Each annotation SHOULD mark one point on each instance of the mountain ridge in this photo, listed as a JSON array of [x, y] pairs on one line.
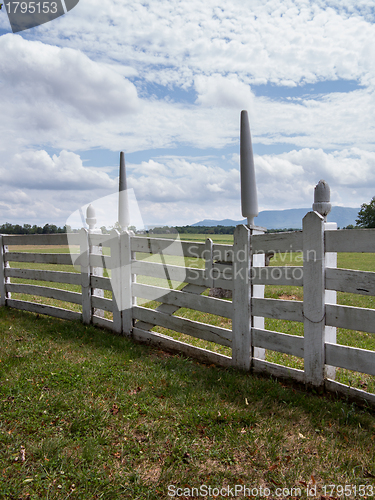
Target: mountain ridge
[[288, 219]]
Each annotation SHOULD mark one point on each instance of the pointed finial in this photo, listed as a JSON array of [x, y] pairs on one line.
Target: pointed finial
[[123, 203], [249, 196], [322, 196], [90, 217]]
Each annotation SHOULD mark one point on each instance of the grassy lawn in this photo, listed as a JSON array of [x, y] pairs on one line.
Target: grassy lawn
[[89, 415]]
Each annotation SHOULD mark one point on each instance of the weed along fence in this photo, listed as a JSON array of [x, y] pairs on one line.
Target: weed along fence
[[113, 273]]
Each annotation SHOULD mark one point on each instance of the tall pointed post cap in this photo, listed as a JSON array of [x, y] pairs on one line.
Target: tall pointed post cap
[[249, 197], [123, 202], [322, 196]]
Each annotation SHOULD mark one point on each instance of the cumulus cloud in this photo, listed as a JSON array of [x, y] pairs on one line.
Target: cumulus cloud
[[37, 170], [65, 76]]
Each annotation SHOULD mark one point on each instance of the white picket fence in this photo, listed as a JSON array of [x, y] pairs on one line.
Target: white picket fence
[[239, 267]]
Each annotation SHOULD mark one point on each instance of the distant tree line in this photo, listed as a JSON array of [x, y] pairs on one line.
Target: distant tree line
[[8, 228], [205, 229], [366, 219]]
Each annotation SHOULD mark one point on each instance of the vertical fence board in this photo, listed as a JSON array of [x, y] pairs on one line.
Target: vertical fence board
[[97, 271], [330, 261], [114, 243], [3, 280], [127, 300], [257, 291], [208, 258], [85, 276], [241, 322], [313, 297]]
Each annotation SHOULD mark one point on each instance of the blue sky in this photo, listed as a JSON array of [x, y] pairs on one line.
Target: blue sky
[[165, 81]]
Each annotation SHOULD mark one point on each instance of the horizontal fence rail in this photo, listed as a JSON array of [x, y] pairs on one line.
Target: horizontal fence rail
[[240, 269]]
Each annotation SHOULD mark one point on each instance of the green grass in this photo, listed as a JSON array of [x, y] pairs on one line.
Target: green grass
[[100, 417]]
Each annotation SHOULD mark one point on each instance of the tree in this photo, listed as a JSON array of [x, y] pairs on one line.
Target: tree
[[366, 215]]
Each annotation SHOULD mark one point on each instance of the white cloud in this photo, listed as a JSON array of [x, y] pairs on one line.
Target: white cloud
[[37, 170]]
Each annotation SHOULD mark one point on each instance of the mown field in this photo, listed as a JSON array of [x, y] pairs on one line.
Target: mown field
[[86, 414]]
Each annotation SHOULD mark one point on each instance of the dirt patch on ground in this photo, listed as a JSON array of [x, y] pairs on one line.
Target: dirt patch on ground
[[284, 296]]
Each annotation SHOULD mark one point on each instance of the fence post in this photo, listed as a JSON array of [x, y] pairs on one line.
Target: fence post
[[241, 323], [313, 297], [127, 300], [116, 280], [322, 205], [4, 295], [85, 276]]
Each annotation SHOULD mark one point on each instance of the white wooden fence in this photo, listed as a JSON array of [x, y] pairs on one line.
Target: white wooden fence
[[238, 267]]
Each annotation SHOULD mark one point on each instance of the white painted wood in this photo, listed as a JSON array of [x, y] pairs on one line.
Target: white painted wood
[[39, 239], [133, 256], [99, 239], [41, 275], [351, 318], [209, 263], [280, 342], [257, 291], [127, 281], [85, 277], [279, 371], [116, 280], [241, 322], [43, 309], [222, 253], [169, 308], [313, 297], [345, 280], [249, 198], [264, 275], [278, 275], [168, 247], [291, 310], [100, 261], [354, 394], [351, 358], [330, 334], [350, 240], [44, 291], [202, 331], [167, 343], [4, 295], [95, 255], [222, 271], [99, 282], [178, 298], [43, 258], [278, 242], [102, 304], [224, 283], [176, 273]]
